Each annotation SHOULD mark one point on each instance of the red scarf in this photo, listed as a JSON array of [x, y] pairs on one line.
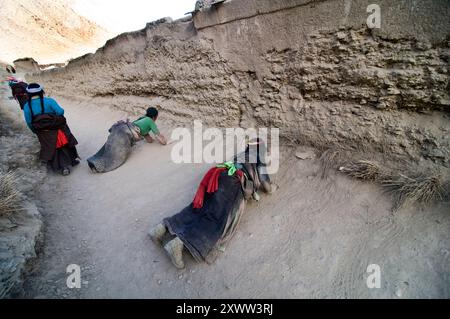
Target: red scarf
[[210, 184]]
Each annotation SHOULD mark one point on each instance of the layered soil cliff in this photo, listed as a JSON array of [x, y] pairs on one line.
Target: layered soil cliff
[[311, 68]]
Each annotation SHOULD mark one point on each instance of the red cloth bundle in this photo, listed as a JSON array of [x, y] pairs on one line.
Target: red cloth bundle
[[61, 139]]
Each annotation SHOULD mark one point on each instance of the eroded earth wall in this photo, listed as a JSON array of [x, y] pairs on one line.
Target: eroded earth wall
[[311, 68]]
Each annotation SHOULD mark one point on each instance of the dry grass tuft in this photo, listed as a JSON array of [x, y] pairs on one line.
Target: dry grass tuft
[[333, 158], [364, 170], [10, 197], [447, 190], [406, 190], [410, 190]]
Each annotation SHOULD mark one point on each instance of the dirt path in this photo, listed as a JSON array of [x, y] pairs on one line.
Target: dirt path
[[313, 238]]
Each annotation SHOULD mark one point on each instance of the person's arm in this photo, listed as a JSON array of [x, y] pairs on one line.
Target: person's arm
[[148, 138], [161, 138], [27, 115], [58, 110]]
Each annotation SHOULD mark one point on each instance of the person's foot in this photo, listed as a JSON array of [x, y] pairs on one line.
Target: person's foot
[[174, 249], [157, 233], [269, 188], [65, 171], [275, 187]]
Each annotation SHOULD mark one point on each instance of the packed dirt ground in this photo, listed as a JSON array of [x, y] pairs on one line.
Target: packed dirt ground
[[312, 68], [313, 238]]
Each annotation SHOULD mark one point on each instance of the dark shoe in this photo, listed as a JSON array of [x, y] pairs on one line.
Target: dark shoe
[[75, 162], [65, 171]]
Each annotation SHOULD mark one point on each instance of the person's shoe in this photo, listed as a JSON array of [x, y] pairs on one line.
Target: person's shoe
[[65, 171], [174, 249], [157, 233], [75, 162]]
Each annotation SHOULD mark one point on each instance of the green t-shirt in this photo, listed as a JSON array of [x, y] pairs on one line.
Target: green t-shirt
[[146, 125]]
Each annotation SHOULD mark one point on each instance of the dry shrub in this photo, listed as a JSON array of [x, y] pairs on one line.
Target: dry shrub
[[406, 190], [10, 197], [364, 170], [333, 158], [420, 189]]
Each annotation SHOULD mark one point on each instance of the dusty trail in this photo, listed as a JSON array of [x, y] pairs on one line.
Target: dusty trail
[[313, 238]]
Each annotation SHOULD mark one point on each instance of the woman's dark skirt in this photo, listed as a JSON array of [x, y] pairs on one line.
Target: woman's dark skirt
[[58, 158], [64, 157], [203, 230]]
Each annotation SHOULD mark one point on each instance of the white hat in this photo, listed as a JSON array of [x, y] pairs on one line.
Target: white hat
[[34, 88]]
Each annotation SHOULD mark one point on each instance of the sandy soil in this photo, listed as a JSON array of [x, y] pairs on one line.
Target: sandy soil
[[313, 238]]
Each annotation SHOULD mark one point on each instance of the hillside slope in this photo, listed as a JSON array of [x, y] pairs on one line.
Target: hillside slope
[[47, 30]]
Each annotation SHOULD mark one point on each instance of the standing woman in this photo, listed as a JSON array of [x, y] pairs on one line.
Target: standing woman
[[46, 119]]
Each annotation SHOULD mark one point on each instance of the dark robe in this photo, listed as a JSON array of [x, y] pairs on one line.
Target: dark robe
[[202, 229], [46, 127], [116, 150], [206, 229]]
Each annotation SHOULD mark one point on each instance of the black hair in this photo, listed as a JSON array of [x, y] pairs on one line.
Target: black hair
[[152, 112], [31, 95]]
